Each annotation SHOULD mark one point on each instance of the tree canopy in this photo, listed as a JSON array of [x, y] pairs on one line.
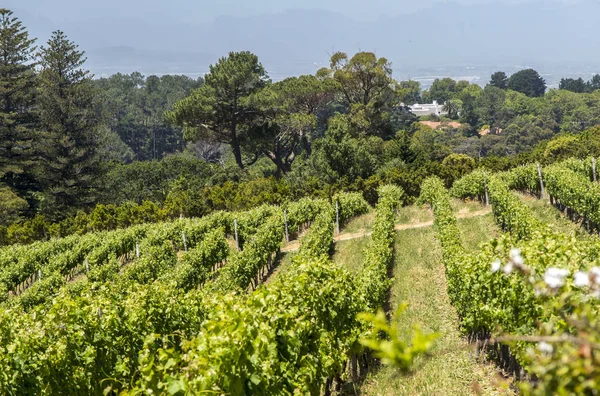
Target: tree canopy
[[67, 116], [291, 109], [499, 79], [78, 153], [17, 106], [529, 82], [579, 85], [220, 110], [367, 89], [442, 89]]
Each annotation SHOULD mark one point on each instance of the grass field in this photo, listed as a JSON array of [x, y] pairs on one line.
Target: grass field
[[350, 253], [477, 230]]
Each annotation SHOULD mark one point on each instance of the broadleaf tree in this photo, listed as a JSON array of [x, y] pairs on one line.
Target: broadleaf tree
[[291, 109], [489, 106], [443, 89], [367, 89], [409, 92]]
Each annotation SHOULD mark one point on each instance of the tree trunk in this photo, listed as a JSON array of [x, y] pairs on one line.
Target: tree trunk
[[307, 145], [235, 144], [282, 167], [278, 173], [237, 151]]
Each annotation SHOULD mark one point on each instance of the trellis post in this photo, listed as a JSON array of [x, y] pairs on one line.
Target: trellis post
[[542, 194], [237, 242], [287, 235], [337, 217], [487, 199]]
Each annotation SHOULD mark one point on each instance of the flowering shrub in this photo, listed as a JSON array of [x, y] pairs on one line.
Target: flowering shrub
[[563, 350]]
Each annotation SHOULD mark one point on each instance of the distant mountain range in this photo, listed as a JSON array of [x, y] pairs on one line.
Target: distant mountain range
[[447, 39]]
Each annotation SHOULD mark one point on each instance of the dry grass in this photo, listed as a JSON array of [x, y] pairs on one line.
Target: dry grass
[[284, 265], [477, 230], [413, 214], [359, 223], [463, 207]]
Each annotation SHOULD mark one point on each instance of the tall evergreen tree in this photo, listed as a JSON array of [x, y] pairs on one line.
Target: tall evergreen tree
[[499, 79], [594, 83], [17, 100], [572, 84], [133, 107], [220, 111], [529, 82], [66, 107]]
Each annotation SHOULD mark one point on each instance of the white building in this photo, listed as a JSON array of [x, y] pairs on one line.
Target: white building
[[428, 109]]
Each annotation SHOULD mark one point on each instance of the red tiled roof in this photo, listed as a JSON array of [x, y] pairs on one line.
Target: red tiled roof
[[441, 125]]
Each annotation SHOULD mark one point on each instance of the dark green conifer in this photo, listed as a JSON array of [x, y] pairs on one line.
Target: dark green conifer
[[17, 101], [69, 121]]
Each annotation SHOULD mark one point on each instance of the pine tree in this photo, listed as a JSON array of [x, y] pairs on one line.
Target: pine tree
[[499, 79], [17, 101], [70, 124]]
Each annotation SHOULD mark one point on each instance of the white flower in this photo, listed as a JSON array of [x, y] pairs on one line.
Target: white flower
[[555, 277], [582, 279], [508, 268], [558, 272], [518, 260], [496, 265], [594, 275], [544, 347], [515, 256]]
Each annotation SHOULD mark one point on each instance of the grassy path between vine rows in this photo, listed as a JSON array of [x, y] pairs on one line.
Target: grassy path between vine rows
[[419, 280], [353, 238], [364, 232], [548, 214]]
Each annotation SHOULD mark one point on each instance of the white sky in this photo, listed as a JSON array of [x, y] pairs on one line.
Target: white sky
[[206, 10]]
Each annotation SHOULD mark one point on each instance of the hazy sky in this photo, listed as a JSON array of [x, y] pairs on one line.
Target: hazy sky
[[297, 36], [195, 10]]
